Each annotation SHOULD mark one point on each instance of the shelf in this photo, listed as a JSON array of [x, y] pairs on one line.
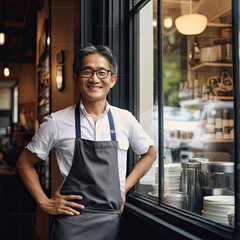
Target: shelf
[[215, 140], [43, 90], [197, 101], [221, 25], [44, 113], [203, 140], [206, 65]]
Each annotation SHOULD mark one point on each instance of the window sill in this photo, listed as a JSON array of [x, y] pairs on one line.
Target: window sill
[[178, 222]]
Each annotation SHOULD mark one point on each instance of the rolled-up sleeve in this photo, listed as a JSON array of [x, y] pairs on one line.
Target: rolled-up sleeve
[[44, 139], [139, 139]]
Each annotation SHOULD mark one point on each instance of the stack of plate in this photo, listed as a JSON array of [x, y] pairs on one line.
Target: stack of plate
[[172, 174], [154, 192], [150, 176], [216, 208]]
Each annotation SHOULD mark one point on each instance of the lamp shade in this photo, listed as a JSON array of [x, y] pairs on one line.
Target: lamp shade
[[191, 24]]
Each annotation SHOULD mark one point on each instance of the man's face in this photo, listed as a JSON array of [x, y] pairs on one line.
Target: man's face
[[93, 88]]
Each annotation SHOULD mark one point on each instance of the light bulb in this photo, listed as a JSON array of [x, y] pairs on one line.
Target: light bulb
[[6, 72], [168, 22], [154, 23], [2, 38], [48, 41]]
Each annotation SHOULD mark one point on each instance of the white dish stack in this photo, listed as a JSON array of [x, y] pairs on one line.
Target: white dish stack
[[216, 208], [150, 176], [172, 174]]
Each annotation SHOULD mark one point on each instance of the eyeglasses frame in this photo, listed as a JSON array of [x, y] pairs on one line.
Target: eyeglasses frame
[[93, 71]]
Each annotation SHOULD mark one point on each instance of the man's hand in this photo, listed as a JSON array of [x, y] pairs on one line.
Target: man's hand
[[123, 202], [60, 204]]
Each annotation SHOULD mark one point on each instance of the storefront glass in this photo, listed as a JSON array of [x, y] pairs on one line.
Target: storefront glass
[[198, 109]]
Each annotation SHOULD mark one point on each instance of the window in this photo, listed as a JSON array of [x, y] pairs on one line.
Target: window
[[196, 86]]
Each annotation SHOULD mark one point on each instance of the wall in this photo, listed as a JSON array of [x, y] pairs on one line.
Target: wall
[[62, 38]]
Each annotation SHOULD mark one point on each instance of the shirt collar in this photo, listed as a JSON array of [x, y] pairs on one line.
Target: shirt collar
[[82, 108]]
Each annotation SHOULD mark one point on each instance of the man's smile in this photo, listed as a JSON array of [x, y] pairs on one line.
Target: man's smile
[[94, 87]]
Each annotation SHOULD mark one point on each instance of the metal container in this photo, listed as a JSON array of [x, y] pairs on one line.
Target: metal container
[[194, 165], [209, 54], [217, 178], [225, 52], [198, 159], [220, 167], [217, 53], [208, 191], [190, 186], [178, 200]]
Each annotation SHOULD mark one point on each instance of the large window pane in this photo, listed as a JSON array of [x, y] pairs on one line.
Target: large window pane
[[198, 110], [198, 104]]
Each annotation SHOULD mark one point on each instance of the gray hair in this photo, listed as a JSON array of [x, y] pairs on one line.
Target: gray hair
[[91, 49]]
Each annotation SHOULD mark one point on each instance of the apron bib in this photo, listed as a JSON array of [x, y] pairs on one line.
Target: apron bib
[[93, 175]]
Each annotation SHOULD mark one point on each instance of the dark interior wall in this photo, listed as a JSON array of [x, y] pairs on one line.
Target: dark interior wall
[[107, 22]]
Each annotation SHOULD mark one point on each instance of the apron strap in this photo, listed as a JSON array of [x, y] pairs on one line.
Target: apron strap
[[111, 124], [77, 121], [78, 126]]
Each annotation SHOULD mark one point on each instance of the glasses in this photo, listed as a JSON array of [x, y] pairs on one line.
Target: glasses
[[101, 73]]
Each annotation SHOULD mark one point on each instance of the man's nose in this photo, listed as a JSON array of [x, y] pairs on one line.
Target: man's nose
[[94, 77]]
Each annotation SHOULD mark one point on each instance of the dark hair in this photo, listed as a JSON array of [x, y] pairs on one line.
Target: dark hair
[[91, 49]]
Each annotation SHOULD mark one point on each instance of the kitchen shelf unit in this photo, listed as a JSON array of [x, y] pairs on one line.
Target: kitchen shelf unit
[[44, 108]]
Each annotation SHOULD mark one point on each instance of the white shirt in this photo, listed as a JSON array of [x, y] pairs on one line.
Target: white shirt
[[58, 131]]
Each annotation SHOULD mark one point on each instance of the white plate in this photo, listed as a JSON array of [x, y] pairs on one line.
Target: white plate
[[218, 208], [216, 218], [176, 185], [172, 178], [218, 211], [217, 215], [219, 200], [152, 194], [171, 188], [172, 167], [172, 174]]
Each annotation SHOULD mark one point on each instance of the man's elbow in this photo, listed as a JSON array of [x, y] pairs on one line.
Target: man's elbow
[[153, 153], [26, 159]]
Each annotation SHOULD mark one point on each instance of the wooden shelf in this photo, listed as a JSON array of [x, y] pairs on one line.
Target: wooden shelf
[[197, 101], [43, 90], [220, 25], [203, 140], [207, 65]]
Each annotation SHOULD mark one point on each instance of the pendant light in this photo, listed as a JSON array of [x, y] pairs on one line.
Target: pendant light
[[2, 38], [6, 71], [192, 23]]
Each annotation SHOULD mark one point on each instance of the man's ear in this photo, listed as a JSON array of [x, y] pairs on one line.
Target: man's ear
[[75, 77], [113, 80]]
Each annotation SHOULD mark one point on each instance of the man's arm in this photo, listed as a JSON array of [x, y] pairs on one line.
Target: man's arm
[[58, 204], [139, 170]]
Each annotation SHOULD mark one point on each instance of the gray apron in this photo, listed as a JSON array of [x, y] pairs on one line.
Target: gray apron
[[93, 175]]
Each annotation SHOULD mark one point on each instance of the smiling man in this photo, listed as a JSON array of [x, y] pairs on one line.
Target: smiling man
[[91, 140]]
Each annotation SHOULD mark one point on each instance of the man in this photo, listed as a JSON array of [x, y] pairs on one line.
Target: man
[[91, 141]]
